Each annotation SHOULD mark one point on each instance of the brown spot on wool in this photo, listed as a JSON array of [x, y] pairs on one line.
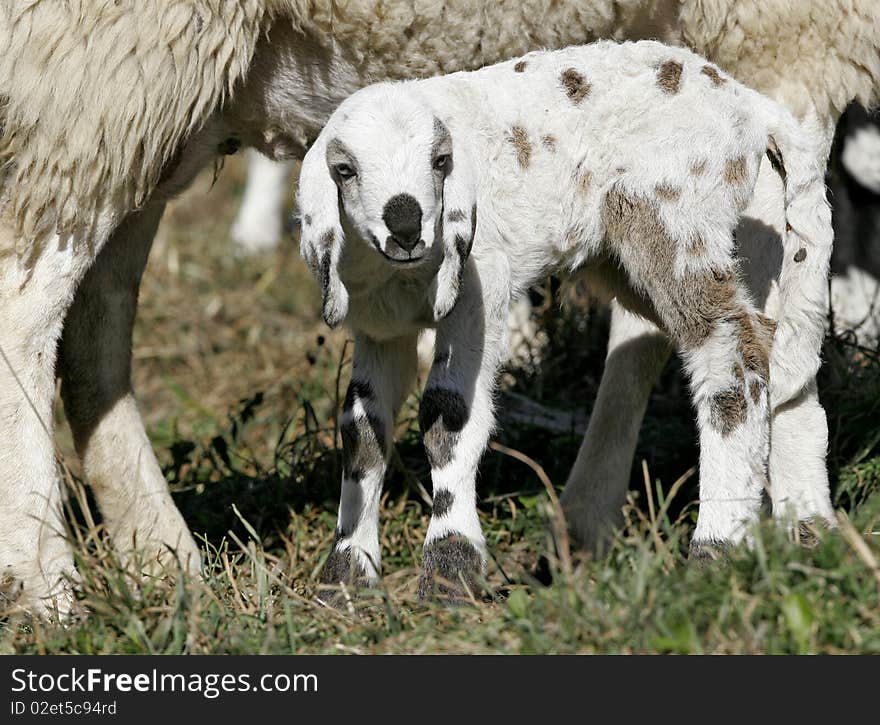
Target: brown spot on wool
[[756, 390], [754, 334], [727, 410], [712, 73], [697, 246], [667, 192], [698, 168], [577, 88], [669, 76], [688, 305], [585, 181], [519, 67], [549, 141], [800, 255], [519, 137], [736, 171]]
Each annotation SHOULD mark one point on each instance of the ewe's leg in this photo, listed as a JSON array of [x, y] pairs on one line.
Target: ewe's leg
[[596, 488], [33, 548], [729, 373], [382, 375], [456, 419], [260, 221], [95, 370]]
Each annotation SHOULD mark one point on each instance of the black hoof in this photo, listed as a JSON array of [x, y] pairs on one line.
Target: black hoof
[[703, 554], [452, 571], [341, 574]]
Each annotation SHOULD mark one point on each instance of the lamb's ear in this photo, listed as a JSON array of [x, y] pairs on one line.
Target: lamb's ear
[[321, 237], [459, 226]]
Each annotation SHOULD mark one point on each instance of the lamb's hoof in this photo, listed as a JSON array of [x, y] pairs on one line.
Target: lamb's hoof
[[340, 579], [809, 533], [703, 554], [19, 602], [452, 571]]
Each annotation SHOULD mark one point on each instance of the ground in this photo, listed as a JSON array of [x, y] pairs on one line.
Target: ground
[[239, 383]]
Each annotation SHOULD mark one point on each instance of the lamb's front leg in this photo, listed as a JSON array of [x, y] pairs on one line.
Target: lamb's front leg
[[383, 374], [456, 419]]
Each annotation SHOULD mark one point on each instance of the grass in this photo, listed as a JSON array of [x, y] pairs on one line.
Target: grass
[[239, 383]]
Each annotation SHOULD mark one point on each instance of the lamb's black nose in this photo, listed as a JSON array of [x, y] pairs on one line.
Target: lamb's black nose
[[403, 217]]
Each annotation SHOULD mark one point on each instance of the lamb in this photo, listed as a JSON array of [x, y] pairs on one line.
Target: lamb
[[109, 109], [626, 164]]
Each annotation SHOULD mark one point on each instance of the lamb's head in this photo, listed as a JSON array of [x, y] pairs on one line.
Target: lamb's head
[[384, 173]]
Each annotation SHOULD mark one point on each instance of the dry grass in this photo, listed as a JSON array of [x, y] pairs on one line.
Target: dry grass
[[239, 383]]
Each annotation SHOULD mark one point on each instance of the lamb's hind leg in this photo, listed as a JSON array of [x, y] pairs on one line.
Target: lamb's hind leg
[[798, 430], [798, 473], [596, 488], [382, 375], [729, 373], [34, 551], [690, 282], [95, 370]]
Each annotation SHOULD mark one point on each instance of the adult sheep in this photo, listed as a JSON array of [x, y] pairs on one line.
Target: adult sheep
[[109, 108]]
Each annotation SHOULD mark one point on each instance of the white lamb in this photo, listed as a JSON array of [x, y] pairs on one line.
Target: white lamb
[[435, 203]]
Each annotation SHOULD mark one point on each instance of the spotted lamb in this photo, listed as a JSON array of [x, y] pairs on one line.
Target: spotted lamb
[[435, 203]]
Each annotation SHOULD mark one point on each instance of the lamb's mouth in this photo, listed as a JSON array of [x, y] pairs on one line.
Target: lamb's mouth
[[413, 257]]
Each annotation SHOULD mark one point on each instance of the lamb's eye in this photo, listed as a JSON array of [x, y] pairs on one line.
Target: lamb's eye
[[441, 162], [345, 171]]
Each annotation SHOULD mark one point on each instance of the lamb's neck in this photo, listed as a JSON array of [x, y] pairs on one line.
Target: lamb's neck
[[386, 301]]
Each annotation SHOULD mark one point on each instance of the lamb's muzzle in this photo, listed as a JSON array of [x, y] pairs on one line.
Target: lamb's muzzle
[[403, 217]]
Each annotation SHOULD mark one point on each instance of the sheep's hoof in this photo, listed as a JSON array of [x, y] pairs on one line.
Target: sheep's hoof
[[809, 533], [452, 572], [340, 579], [703, 554]]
